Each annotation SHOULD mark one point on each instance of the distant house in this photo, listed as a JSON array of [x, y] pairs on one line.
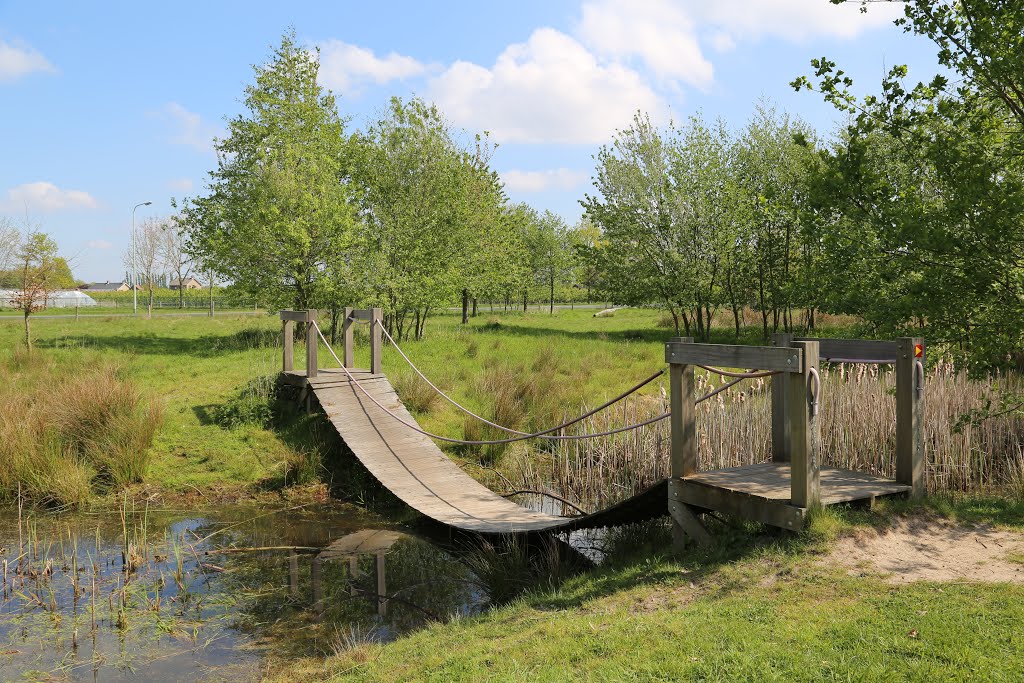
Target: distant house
[[189, 283], [107, 287]]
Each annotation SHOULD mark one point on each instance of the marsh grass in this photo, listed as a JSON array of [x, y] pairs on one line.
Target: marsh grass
[[858, 429], [70, 429]]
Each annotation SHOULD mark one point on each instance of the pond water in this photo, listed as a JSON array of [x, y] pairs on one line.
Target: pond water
[[176, 595]]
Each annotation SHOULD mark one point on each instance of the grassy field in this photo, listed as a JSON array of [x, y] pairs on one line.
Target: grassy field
[[213, 378]]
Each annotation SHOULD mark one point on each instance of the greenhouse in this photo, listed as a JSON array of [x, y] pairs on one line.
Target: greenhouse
[[62, 298]]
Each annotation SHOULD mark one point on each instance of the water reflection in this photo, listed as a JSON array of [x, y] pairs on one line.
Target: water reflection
[[170, 596]]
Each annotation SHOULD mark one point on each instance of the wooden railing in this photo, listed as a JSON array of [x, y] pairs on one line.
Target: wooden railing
[[796, 395], [370, 316]]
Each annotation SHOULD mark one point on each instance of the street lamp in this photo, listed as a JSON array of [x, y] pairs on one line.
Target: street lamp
[[135, 275]]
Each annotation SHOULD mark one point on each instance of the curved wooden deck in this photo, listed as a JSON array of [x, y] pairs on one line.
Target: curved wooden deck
[[412, 467]]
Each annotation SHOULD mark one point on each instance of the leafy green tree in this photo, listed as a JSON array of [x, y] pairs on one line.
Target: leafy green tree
[[773, 162], [633, 207], [586, 241], [431, 207], [281, 206], [934, 174]]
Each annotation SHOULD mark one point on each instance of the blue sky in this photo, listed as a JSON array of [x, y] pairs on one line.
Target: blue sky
[[103, 108]]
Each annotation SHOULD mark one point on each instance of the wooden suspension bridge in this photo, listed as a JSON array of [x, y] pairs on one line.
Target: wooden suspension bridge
[[370, 418]]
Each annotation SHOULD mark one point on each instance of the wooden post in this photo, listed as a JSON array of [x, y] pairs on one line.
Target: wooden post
[[289, 348], [683, 426], [382, 585], [376, 319], [312, 344], [805, 438], [347, 339], [684, 417], [909, 414], [780, 415]]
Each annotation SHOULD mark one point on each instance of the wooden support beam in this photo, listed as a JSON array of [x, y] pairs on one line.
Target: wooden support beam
[[805, 437], [312, 345], [348, 339], [376, 319], [780, 414], [686, 522], [757, 508], [288, 335], [295, 316], [855, 350], [910, 414], [734, 356]]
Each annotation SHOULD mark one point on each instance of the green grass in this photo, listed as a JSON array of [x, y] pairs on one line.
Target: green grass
[[751, 608]]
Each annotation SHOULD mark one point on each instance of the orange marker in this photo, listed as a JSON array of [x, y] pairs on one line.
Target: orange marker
[[918, 350]]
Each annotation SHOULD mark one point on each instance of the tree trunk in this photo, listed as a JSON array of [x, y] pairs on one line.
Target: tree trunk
[[474, 306], [551, 296], [525, 300], [181, 292], [150, 314], [211, 293], [28, 332], [465, 306]]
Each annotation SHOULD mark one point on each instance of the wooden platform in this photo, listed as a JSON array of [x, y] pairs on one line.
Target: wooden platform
[[762, 492], [412, 467]]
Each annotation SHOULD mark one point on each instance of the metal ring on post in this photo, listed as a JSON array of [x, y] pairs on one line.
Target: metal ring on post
[[815, 390], [919, 378]]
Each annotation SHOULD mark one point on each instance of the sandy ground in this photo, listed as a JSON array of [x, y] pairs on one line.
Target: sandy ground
[[934, 550]]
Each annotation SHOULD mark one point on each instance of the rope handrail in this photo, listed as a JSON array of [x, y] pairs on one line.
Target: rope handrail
[[544, 434], [524, 437], [750, 374], [491, 442]]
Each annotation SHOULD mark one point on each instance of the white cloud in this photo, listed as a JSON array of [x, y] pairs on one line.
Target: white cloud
[[548, 89], [793, 19], [659, 32], [98, 244], [44, 197], [538, 181], [189, 127], [344, 67], [20, 60], [180, 185]]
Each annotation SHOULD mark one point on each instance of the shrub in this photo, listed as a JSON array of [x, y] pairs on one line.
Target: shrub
[[252, 405], [67, 432], [416, 394]]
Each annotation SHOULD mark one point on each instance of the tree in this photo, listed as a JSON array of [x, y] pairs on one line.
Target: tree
[[39, 269], [633, 208], [173, 255], [427, 201], [549, 255], [146, 263], [585, 240], [934, 173], [774, 157], [8, 247], [281, 207]]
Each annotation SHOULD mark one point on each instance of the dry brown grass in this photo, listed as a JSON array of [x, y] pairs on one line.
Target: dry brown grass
[[68, 431], [858, 416]]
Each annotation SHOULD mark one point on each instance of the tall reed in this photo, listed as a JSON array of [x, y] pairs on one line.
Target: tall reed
[[858, 430]]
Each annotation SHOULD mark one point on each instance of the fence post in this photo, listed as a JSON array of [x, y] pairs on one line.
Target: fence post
[[347, 337], [803, 398], [288, 361], [780, 415], [312, 344], [376, 319], [909, 414]]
